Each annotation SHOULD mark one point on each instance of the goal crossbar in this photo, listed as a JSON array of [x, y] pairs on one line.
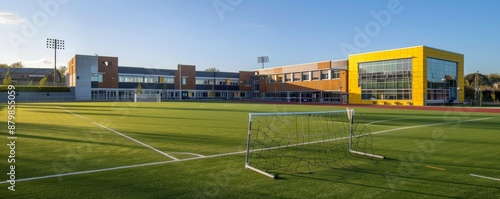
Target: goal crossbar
[[147, 97]]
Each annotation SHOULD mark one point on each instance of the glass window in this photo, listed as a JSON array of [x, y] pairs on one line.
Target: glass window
[[184, 80], [387, 80], [221, 81], [204, 80], [150, 79], [288, 77], [167, 79], [297, 77], [316, 75], [96, 77], [130, 78], [442, 80], [247, 82], [270, 79], [325, 74], [335, 74], [305, 76], [279, 78]]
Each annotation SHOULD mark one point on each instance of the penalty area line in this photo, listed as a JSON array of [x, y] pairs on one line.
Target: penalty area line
[[121, 134], [485, 177]]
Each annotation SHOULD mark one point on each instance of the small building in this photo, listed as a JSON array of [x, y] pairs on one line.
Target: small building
[[324, 81], [101, 78], [27, 76], [416, 76]]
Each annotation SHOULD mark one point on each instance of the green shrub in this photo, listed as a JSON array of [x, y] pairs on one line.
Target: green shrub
[[3, 88]]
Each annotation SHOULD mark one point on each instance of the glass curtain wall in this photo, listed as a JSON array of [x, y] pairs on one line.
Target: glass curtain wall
[[441, 80], [386, 80]]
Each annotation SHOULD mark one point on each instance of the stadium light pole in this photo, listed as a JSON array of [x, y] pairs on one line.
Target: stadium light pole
[[263, 59], [444, 97], [55, 44], [180, 82]]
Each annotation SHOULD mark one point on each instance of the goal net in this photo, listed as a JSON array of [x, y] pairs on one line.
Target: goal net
[[147, 97], [298, 141]]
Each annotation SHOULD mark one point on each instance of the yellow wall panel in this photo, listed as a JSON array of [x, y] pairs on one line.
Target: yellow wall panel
[[419, 57]]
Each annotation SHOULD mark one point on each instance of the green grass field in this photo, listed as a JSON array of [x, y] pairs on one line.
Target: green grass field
[[75, 150]]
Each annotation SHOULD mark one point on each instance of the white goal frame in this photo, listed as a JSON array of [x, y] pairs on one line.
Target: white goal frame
[[156, 97], [350, 114]]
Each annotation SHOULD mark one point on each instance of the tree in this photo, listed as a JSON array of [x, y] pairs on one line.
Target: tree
[[62, 71], [7, 78], [17, 65], [493, 96], [494, 77], [139, 89], [468, 90], [212, 69], [31, 83], [483, 79], [43, 82], [494, 89], [3, 65]]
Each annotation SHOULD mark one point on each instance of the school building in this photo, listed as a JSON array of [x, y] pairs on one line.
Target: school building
[[416, 76]]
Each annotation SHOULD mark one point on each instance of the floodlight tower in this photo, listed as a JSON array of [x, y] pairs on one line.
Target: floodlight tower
[[55, 44], [263, 59]]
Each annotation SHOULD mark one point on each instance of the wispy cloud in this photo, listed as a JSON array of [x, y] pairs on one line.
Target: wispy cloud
[[7, 18]]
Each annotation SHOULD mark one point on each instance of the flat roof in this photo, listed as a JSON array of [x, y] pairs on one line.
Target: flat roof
[[405, 48], [302, 64], [27, 70]]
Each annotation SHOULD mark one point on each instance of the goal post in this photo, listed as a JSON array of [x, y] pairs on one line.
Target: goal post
[[350, 116], [153, 97], [300, 140]]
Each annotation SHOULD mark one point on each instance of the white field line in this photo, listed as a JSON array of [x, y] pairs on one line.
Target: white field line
[[121, 134], [123, 167], [186, 153], [489, 178], [426, 125], [380, 121], [213, 156]]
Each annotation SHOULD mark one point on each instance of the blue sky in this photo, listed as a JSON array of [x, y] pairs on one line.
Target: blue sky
[[230, 34]]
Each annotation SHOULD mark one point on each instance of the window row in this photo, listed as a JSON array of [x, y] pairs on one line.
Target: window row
[[386, 85], [439, 71], [146, 79], [399, 94], [304, 76], [96, 77], [217, 81]]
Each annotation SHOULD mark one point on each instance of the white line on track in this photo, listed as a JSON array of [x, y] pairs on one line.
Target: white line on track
[[489, 178], [224, 154], [123, 135]]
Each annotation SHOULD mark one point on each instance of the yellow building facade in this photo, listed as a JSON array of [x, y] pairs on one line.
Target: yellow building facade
[[416, 76]]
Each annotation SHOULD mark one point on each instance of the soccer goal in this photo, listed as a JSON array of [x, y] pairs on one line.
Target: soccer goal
[[297, 141], [147, 97]]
